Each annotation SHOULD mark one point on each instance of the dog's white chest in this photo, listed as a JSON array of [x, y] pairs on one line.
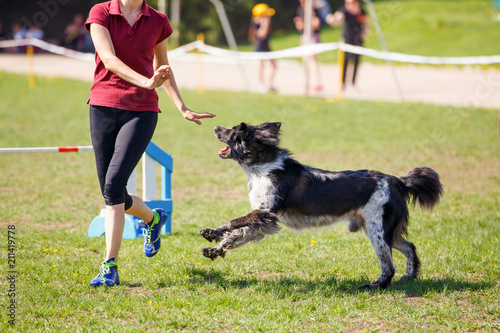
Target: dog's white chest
[[262, 192]]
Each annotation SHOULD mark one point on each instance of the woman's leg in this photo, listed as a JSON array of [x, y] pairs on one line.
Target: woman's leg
[[104, 128], [119, 138], [113, 227], [131, 142], [140, 209], [115, 222]]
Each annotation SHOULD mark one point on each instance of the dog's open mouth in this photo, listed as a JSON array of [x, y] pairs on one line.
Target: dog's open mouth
[[225, 152]]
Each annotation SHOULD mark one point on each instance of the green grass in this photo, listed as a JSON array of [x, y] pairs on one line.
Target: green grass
[[283, 283], [443, 28]]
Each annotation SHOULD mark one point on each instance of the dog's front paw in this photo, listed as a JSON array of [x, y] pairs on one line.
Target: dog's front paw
[[213, 253], [372, 286], [211, 235], [407, 277], [368, 287]]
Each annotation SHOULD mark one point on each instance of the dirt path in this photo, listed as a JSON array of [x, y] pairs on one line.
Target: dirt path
[[445, 86]]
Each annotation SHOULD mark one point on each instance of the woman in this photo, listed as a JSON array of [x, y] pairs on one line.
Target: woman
[[356, 28], [130, 40]]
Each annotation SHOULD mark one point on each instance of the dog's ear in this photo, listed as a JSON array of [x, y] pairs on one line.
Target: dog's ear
[[273, 126], [242, 126], [269, 133]]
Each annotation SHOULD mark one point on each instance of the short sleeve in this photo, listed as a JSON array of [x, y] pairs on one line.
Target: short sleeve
[[166, 29], [98, 14]]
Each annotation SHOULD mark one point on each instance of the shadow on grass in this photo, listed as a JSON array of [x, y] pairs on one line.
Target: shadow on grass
[[421, 287], [328, 286]]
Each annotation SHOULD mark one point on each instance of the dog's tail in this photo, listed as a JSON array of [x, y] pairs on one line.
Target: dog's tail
[[424, 186]]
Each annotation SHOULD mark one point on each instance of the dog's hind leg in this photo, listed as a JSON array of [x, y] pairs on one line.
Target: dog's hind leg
[[409, 250], [373, 214], [251, 227], [384, 255]]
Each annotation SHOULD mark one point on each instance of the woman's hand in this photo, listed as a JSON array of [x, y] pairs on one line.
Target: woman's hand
[[195, 116], [161, 75], [299, 23]]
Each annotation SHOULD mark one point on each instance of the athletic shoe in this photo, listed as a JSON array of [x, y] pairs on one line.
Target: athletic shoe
[[264, 89], [152, 233], [108, 274], [315, 89]]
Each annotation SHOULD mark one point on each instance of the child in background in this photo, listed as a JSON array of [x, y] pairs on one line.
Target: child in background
[[259, 34], [356, 27], [315, 85]]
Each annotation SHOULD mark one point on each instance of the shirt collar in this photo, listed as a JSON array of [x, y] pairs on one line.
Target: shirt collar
[[114, 8]]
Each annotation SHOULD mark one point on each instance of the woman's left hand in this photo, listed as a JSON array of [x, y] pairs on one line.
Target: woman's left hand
[[195, 116], [161, 75]]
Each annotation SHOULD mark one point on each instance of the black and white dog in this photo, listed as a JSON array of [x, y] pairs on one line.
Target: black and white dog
[[299, 196]]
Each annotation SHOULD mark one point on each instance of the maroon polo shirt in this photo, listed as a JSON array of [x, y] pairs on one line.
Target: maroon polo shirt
[[134, 45]]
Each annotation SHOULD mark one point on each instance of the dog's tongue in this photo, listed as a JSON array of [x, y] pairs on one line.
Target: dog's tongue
[[222, 151]]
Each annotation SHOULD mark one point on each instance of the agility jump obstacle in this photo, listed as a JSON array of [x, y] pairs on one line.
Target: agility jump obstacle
[[152, 155], [47, 149]]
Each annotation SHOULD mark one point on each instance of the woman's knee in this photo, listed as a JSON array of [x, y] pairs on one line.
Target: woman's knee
[[117, 194]]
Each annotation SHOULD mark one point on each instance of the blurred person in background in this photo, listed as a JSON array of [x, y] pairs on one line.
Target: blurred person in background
[[259, 33], [35, 32], [3, 35], [356, 27], [74, 35], [18, 33], [315, 79], [322, 9]]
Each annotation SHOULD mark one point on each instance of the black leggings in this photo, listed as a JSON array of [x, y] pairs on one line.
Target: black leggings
[[119, 139], [355, 58]]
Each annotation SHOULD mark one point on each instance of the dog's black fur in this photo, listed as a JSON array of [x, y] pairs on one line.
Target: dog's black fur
[[299, 196]]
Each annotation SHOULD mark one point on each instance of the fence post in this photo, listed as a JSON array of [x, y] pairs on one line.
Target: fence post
[[201, 79], [31, 67], [340, 61]]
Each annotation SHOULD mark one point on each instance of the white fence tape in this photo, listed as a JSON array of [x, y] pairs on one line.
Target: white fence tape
[[295, 52], [48, 47], [416, 59]]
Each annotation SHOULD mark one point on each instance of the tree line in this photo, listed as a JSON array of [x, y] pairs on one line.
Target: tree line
[[197, 16]]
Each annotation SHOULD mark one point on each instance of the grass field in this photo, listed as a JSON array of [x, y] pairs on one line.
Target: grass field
[[444, 28], [291, 282]]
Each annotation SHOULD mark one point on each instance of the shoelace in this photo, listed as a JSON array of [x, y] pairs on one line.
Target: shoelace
[[147, 235], [103, 271]]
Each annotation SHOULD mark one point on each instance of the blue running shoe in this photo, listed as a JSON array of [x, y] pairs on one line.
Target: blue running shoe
[[108, 274], [152, 233]]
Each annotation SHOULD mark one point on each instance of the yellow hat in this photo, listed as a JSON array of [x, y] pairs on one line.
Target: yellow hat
[[262, 9]]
